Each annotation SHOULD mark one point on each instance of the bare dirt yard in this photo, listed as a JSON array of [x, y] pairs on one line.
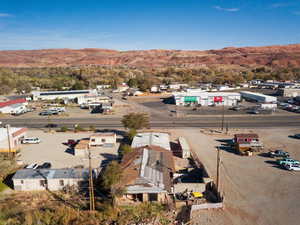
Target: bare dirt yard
[[256, 191], [52, 149]]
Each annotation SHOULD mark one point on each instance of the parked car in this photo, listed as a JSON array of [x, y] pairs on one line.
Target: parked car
[[51, 125], [33, 140], [284, 161], [32, 166], [255, 111], [297, 136], [45, 165], [278, 153], [235, 108], [46, 113], [292, 167], [71, 142]]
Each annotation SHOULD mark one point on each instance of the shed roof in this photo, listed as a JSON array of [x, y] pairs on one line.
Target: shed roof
[[51, 174], [12, 102]]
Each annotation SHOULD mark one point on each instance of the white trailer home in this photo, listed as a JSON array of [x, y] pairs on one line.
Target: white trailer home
[[49, 179]]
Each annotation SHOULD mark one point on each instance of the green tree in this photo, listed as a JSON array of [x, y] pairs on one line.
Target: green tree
[[131, 134], [110, 180], [136, 121], [124, 149]]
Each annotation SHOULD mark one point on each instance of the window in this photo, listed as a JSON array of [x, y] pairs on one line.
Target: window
[[93, 140], [22, 181], [103, 140], [61, 182], [43, 182]]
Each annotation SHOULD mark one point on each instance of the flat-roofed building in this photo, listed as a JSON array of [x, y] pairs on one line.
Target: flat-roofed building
[[257, 97], [52, 95], [203, 98]]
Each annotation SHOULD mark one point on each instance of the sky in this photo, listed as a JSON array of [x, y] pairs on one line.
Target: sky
[[147, 24]]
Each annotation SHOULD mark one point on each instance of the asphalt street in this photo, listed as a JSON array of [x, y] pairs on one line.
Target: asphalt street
[[255, 121]]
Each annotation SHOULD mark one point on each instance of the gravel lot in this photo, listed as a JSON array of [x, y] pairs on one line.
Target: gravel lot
[[51, 149], [256, 191]]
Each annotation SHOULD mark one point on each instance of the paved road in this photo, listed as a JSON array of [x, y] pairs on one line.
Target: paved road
[[214, 121]]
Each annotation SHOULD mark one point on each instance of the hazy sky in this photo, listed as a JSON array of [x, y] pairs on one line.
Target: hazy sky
[[151, 24]]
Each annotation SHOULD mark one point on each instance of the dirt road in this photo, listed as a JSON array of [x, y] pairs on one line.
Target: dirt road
[[256, 191]]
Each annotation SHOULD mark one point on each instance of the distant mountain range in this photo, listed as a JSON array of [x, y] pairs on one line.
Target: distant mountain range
[[277, 56]]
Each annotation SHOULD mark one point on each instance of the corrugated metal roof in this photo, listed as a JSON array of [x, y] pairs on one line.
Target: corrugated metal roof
[[51, 174]]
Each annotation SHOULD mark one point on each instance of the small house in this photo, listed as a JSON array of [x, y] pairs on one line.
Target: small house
[[49, 179], [103, 139], [247, 143]]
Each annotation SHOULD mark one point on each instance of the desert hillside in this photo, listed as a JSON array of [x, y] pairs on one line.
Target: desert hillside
[[278, 56]]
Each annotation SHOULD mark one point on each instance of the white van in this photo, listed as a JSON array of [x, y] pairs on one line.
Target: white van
[[33, 140]]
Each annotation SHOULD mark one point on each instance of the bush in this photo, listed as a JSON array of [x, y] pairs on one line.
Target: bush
[[78, 128], [92, 128], [63, 129]]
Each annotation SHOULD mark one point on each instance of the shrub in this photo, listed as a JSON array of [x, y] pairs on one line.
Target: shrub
[[63, 129]]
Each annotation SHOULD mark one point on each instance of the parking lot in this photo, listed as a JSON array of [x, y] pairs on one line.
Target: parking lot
[[52, 149], [256, 190], [162, 106]]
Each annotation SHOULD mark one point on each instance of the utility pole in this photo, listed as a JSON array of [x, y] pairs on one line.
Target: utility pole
[[223, 116], [8, 140], [91, 184], [218, 169]]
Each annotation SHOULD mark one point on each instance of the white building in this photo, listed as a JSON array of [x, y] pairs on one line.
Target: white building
[[152, 138], [49, 179], [257, 97], [203, 98], [13, 106], [92, 98], [52, 95], [177, 86], [11, 138], [98, 139], [155, 89], [102, 86], [103, 139]]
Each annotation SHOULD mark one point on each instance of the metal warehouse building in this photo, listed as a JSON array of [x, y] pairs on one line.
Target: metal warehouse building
[[257, 97], [51, 95], [204, 98]]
